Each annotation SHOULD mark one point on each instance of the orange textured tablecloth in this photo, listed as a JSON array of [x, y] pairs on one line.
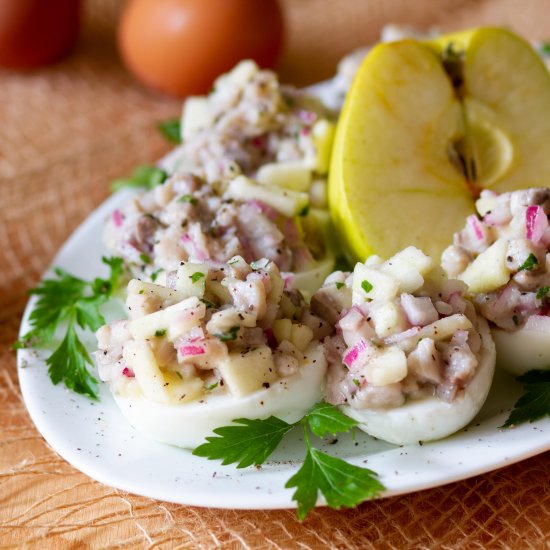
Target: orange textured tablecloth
[[65, 131]]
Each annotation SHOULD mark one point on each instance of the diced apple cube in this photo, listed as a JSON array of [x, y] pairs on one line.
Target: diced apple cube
[[166, 295], [140, 358], [322, 135], [485, 204], [374, 260], [290, 175], [301, 336], [373, 284], [182, 391], [287, 202], [318, 193], [195, 116], [282, 329], [387, 367], [245, 373], [171, 321], [140, 305], [409, 267], [387, 318], [191, 279], [242, 73], [488, 271]]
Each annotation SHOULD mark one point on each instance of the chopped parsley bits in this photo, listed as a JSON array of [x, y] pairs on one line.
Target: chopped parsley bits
[[529, 264], [145, 258], [366, 286], [160, 332], [304, 211], [542, 292], [156, 273], [197, 276], [339, 285], [188, 198], [516, 320], [356, 382], [229, 335], [208, 303], [212, 386]]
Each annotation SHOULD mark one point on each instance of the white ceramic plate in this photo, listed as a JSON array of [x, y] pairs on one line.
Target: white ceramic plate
[[96, 439]]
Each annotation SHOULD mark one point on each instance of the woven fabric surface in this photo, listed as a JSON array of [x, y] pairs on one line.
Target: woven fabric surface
[[65, 132]]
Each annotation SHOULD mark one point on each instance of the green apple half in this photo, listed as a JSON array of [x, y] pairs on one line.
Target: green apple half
[[425, 127]]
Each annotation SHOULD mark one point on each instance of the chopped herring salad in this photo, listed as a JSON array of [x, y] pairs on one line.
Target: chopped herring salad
[[215, 329]]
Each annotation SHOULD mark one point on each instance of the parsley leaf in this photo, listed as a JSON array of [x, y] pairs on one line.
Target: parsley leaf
[[188, 198], [545, 48], [145, 258], [156, 273], [231, 334], [253, 441], [160, 332], [143, 176], [171, 130], [542, 292], [529, 264], [68, 364], [325, 419], [342, 484], [197, 276], [76, 302], [535, 403], [304, 211], [250, 443], [339, 285], [366, 286]]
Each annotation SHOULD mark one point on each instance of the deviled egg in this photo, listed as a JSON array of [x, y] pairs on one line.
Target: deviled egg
[[411, 360], [218, 342]]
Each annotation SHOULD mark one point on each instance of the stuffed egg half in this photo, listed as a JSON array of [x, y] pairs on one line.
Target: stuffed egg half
[[410, 359], [220, 342]]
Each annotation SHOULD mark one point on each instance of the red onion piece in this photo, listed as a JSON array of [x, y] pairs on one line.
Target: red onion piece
[[536, 223]]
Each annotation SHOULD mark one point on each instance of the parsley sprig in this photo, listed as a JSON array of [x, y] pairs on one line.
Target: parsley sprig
[[76, 303], [171, 130], [251, 442], [147, 177], [535, 403]]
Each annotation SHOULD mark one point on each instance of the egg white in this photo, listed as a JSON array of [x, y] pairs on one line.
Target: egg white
[[188, 424], [522, 350], [431, 418]]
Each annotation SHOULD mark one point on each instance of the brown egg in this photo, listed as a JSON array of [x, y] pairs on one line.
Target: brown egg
[[181, 46], [37, 32]]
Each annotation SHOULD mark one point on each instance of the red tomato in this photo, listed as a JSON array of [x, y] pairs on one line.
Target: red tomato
[[181, 46], [36, 32]]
